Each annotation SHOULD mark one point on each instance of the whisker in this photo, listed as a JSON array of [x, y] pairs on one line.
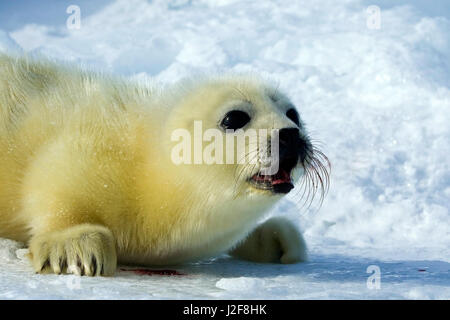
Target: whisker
[[316, 177]]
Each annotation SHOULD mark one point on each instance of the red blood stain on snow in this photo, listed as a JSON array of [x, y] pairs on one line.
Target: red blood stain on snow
[[148, 272]]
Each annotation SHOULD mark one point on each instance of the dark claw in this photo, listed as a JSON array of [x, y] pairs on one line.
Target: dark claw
[[45, 265], [94, 265], [80, 265], [78, 262], [62, 264]]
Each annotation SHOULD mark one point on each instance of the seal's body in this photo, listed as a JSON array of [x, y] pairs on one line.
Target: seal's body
[[86, 176]]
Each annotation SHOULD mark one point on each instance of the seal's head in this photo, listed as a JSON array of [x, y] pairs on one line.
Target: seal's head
[[246, 139]]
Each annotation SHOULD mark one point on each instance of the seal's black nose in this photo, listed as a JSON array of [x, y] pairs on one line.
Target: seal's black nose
[[292, 147]]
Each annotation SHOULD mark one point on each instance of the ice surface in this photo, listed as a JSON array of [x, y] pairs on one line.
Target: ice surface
[[325, 277], [378, 100]]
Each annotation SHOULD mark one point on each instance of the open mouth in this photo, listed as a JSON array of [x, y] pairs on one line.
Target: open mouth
[[278, 183]]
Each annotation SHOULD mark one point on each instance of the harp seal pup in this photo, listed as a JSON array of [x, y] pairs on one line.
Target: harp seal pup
[[87, 180]]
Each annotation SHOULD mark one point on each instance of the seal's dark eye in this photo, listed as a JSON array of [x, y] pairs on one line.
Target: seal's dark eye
[[293, 115], [235, 119]]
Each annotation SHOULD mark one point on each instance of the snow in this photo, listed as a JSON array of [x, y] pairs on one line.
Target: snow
[[324, 277], [377, 99]]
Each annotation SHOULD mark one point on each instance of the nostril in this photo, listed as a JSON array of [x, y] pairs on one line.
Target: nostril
[[288, 136], [292, 145]]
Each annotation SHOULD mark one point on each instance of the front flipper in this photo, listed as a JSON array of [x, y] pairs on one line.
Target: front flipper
[[83, 250], [276, 240]]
